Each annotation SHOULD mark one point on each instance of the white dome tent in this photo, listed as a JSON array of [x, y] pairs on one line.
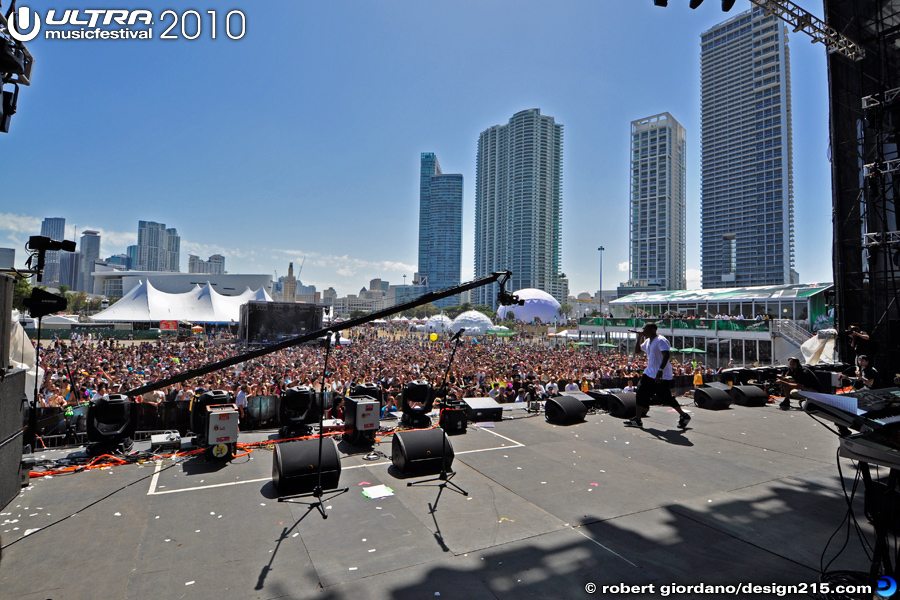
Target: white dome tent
[[438, 324], [538, 304], [473, 321]]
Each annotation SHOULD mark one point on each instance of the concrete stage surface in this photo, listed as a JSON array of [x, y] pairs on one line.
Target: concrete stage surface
[[744, 495]]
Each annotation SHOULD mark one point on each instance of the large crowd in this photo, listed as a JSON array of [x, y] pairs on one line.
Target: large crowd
[[77, 372]]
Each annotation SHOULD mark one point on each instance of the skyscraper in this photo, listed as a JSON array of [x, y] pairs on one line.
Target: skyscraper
[[440, 227], [290, 285], [89, 246], [518, 205], [657, 216], [214, 266], [158, 248], [746, 163], [55, 229], [7, 258]]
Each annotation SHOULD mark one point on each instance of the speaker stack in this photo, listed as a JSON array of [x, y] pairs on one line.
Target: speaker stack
[[564, 410], [712, 396], [748, 395], [622, 405], [295, 466], [12, 414], [420, 451]]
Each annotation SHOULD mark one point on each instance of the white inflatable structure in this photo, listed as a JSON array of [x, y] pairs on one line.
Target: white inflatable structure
[[538, 304], [473, 321], [438, 324]]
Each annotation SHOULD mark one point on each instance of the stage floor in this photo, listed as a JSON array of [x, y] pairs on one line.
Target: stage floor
[[745, 495]]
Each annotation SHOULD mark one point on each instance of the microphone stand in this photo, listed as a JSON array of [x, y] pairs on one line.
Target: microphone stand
[[317, 492], [445, 476]]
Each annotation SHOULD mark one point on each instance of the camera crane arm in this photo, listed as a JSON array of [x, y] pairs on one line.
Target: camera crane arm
[[503, 297]]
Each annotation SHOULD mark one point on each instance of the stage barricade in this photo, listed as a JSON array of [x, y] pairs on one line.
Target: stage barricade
[[261, 412]]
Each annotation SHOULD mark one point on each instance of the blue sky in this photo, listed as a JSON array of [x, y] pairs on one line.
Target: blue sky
[[302, 139]]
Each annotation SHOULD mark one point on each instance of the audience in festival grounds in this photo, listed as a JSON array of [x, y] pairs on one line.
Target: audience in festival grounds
[[484, 366]]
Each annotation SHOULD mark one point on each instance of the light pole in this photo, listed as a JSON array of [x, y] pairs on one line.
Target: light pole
[[601, 249]]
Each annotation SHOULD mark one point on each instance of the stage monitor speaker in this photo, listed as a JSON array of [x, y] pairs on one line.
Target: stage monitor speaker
[[587, 399], [599, 399], [718, 385], [826, 381], [622, 405], [564, 410], [420, 451], [748, 395], [712, 398], [453, 420], [295, 466]]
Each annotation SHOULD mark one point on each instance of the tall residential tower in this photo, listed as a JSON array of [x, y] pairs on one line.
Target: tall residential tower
[[657, 217], [518, 206], [158, 248], [746, 164], [55, 229], [89, 248], [440, 228]]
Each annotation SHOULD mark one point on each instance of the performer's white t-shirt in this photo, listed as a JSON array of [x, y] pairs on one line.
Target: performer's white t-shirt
[[654, 349]]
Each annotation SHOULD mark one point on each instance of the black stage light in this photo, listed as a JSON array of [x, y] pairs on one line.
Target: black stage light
[[696, 3], [416, 401], [727, 5], [661, 2], [198, 408], [12, 58], [7, 108], [298, 408], [111, 423], [42, 303]]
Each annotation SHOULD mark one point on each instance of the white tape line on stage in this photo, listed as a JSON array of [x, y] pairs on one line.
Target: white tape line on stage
[[155, 479]]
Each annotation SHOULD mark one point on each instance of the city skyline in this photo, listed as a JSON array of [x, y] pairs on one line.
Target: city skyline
[[336, 189]]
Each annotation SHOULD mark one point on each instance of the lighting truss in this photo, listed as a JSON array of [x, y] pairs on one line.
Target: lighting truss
[[812, 26]]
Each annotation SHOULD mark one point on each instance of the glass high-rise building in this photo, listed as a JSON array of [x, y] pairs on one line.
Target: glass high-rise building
[[89, 247], [518, 206], [658, 190], [440, 228], [55, 229], [747, 201], [158, 248]]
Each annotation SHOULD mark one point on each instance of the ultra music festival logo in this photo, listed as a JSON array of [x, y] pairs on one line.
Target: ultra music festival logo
[[123, 24]]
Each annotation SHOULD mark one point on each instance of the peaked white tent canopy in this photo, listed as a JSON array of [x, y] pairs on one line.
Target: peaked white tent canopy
[[199, 305]]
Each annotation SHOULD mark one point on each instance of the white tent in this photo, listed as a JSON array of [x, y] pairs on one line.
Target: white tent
[[199, 305], [59, 321], [474, 322], [438, 324], [538, 304]]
